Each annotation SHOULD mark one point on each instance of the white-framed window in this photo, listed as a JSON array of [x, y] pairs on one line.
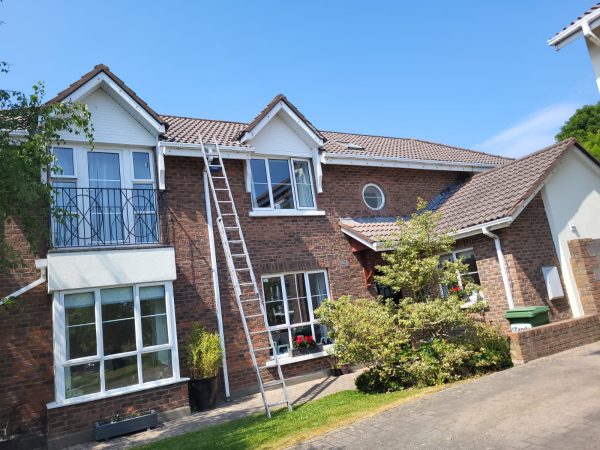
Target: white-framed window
[[468, 257], [113, 340], [373, 196], [290, 301], [64, 163], [282, 184]]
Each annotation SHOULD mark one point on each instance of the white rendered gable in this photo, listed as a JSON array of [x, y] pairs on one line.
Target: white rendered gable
[[278, 138]]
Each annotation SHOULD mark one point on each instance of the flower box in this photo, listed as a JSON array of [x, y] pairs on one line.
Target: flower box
[[307, 350], [129, 423]]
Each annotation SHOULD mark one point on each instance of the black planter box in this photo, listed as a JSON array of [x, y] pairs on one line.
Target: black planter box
[[108, 430], [307, 350]]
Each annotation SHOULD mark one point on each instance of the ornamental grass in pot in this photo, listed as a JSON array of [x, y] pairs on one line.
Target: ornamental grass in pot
[[204, 359]]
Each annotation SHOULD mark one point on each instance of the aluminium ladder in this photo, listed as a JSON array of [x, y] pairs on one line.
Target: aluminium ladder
[[249, 299]]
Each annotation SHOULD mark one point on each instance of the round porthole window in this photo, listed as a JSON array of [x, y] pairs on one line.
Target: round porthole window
[[373, 196]]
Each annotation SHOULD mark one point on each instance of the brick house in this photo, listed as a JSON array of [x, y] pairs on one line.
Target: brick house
[[103, 330]]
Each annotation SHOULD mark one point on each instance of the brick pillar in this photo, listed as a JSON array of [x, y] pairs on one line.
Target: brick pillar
[[585, 264]]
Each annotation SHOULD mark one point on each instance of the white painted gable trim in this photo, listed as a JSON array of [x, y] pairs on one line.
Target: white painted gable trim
[[281, 106], [133, 107]]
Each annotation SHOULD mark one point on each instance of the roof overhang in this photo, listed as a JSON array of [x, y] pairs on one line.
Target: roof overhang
[[405, 163], [575, 30]]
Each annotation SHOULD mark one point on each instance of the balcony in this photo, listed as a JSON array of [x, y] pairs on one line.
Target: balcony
[[107, 217]]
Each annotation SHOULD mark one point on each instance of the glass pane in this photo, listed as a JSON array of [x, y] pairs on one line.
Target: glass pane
[[468, 258], [152, 300], [297, 301], [141, 166], [281, 339], [105, 197], [373, 197], [80, 325], [301, 331], [156, 366], [64, 161], [82, 379], [154, 330], [120, 372], [118, 325], [260, 186], [321, 335], [305, 194], [144, 210], [318, 288], [274, 301], [281, 184]]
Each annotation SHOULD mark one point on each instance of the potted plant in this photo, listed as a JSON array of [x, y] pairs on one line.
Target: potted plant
[[204, 360], [335, 369], [303, 345]]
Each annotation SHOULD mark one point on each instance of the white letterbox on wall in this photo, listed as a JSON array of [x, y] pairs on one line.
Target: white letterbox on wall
[[553, 284]]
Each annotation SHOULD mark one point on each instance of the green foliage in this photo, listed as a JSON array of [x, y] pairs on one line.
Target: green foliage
[[414, 264], [28, 130], [204, 353], [413, 344], [584, 125]]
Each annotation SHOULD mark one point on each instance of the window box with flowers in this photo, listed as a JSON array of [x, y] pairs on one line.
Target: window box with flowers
[[303, 345]]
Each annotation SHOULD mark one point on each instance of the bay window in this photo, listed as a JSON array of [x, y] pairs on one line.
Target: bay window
[[290, 301], [281, 184], [113, 340]]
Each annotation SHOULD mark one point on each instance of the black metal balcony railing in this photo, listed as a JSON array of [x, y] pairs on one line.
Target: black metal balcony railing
[[91, 217]]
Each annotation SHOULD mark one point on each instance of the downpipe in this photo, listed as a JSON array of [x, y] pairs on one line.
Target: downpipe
[[503, 266]]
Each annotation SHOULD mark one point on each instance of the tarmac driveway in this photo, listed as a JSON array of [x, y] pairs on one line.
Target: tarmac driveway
[[550, 403]]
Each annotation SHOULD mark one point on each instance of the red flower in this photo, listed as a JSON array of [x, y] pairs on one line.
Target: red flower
[[309, 340], [456, 289], [299, 339]]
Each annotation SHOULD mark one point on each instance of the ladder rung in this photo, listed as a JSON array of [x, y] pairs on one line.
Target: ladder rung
[[237, 241], [225, 201], [218, 178], [272, 383], [228, 214], [247, 269], [278, 403], [247, 284], [250, 300], [259, 332], [221, 189], [252, 316], [232, 228], [239, 255], [262, 349]]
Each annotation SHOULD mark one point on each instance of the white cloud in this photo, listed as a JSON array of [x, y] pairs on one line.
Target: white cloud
[[534, 132]]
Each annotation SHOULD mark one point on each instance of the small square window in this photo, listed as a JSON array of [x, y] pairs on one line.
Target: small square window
[[63, 164], [141, 166]]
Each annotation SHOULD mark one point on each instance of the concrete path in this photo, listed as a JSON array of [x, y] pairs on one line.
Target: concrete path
[[550, 403], [299, 393]]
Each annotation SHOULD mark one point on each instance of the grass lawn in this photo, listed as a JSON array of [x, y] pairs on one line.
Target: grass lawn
[[286, 428]]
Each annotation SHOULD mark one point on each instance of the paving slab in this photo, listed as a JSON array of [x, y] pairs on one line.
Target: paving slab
[[549, 403]]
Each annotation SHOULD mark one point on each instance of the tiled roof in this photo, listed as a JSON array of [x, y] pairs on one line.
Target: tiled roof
[[485, 197], [99, 68], [585, 14], [188, 130]]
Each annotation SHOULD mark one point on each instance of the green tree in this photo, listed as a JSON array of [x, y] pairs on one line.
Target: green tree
[[584, 125], [414, 263], [28, 130]]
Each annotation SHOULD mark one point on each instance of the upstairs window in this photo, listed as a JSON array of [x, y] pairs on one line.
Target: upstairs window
[[64, 162], [281, 184]]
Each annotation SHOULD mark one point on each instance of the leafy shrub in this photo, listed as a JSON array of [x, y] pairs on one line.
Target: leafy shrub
[[204, 353]]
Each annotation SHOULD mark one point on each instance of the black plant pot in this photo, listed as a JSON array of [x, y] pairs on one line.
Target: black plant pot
[[335, 372], [204, 393]]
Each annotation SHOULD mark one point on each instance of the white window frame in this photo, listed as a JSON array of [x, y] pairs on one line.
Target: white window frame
[[454, 258], [287, 325], [290, 162], [135, 180], [62, 176], [382, 196], [59, 333]]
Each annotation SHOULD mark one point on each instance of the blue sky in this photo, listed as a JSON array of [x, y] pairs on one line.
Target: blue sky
[[469, 73]]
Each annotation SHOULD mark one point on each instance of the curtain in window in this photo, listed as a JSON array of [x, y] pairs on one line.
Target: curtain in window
[[105, 197], [304, 187]]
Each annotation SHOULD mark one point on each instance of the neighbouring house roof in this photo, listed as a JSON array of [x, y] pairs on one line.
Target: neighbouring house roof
[[101, 68], [501, 193], [573, 30], [189, 130]]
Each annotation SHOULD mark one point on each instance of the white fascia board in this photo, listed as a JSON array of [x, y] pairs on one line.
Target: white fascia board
[[572, 32], [371, 245], [135, 106], [379, 161], [476, 229], [195, 150], [272, 113]]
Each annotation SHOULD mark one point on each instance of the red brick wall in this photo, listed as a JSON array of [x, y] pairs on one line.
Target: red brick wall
[[71, 419], [276, 244], [556, 337], [528, 246], [585, 264]]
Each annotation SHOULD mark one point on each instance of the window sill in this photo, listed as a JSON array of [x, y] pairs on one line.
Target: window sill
[[286, 213], [114, 393], [285, 360]]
